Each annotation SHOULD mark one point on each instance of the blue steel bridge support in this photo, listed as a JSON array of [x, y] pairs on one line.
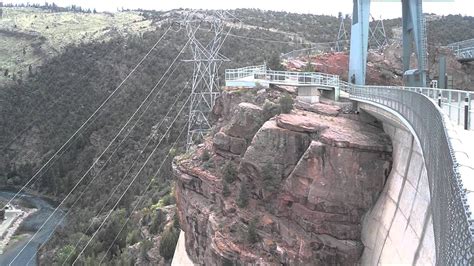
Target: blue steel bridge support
[[359, 41], [413, 31]]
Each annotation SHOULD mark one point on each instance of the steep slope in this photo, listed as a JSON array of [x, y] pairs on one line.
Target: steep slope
[[300, 185], [30, 36], [71, 76]]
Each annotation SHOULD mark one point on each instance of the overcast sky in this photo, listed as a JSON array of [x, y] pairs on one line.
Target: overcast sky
[[379, 8]]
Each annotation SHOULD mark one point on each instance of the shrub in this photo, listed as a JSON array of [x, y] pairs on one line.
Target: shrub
[[205, 156], [133, 237], [66, 255], [270, 180], [144, 247], [176, 220], [243, 199], [157, 222], [225, 190], [168, 242], [270, 109], [252, 236], [286, 104], [229, 172]]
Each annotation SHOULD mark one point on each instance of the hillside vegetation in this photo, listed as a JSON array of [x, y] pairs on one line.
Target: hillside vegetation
[[29, 36], [77, 60]]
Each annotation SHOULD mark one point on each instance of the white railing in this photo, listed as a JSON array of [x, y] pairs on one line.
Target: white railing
[[302, 78], [452, 101], [243, 72], [292, 78]]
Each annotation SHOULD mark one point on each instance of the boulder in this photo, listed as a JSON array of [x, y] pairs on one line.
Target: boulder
[[299, 123], [319, 108], [245, 122], [273, 145]]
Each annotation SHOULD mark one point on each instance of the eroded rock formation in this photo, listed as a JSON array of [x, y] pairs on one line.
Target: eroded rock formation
[[310, 179]]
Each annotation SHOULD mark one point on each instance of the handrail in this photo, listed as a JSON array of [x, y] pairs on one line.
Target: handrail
[[452, 223], [451, 217]]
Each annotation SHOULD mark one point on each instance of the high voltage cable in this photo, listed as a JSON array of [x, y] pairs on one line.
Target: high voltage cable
[[113, 153], [143, 193], [133, 180], [95, 162], [128, 171], [88, 119], [90, 224]]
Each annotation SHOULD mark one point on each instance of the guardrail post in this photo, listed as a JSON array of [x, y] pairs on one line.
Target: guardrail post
[[466, 113], [439, 100]]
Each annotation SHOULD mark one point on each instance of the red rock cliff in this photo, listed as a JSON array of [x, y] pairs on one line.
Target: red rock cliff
[[309, 179]]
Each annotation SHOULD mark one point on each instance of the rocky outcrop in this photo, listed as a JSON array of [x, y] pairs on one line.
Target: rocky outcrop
[[310, 179]]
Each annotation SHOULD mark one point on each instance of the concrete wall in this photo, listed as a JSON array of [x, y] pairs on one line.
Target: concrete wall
[[181, 257], [399, 228]]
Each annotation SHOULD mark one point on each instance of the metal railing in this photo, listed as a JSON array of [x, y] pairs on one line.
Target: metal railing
[[451, 217], [452, 101], [243, 72], [452, 224], [291, 78]]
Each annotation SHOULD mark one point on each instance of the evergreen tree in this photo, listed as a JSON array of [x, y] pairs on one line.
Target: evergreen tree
[[243, 199]]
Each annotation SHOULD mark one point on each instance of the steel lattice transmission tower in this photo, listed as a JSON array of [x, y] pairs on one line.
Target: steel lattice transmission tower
[[342, 36], [378, 37], [206, 61]]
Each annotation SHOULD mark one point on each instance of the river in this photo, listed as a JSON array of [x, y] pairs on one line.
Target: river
[[29, 226]]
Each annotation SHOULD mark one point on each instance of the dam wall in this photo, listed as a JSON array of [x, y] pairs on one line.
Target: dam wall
[[399, 228]]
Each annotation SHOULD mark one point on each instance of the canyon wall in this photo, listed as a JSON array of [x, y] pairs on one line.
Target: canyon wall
[[280, 189]]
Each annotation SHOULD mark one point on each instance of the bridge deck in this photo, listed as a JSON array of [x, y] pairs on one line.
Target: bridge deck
[[259, 74]]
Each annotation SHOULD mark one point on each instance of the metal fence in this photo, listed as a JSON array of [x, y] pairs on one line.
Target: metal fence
[[291, 78], [452, 101], [450, 214], [243, 72]]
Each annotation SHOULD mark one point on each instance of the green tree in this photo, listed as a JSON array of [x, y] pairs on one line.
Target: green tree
[[157, 222], [168, 242], [229, 172], [270, 109], [145, 247], [225, 190], [274, 62], [205, 156], [243, 199], [270, 180], [66, 255], [252, 236], [286, 104]]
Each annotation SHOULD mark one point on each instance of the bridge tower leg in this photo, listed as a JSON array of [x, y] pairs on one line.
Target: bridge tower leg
[[359, 41], [414, 30]]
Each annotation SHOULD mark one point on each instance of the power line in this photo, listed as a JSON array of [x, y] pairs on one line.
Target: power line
[[276, 41], [113, 153], [88, 119], [130, 184], [143, 193], [128, 171], [111, 142]]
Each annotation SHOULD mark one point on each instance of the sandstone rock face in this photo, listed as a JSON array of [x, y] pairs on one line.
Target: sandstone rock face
[[310, 180], [319, 108], [246, 121]]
